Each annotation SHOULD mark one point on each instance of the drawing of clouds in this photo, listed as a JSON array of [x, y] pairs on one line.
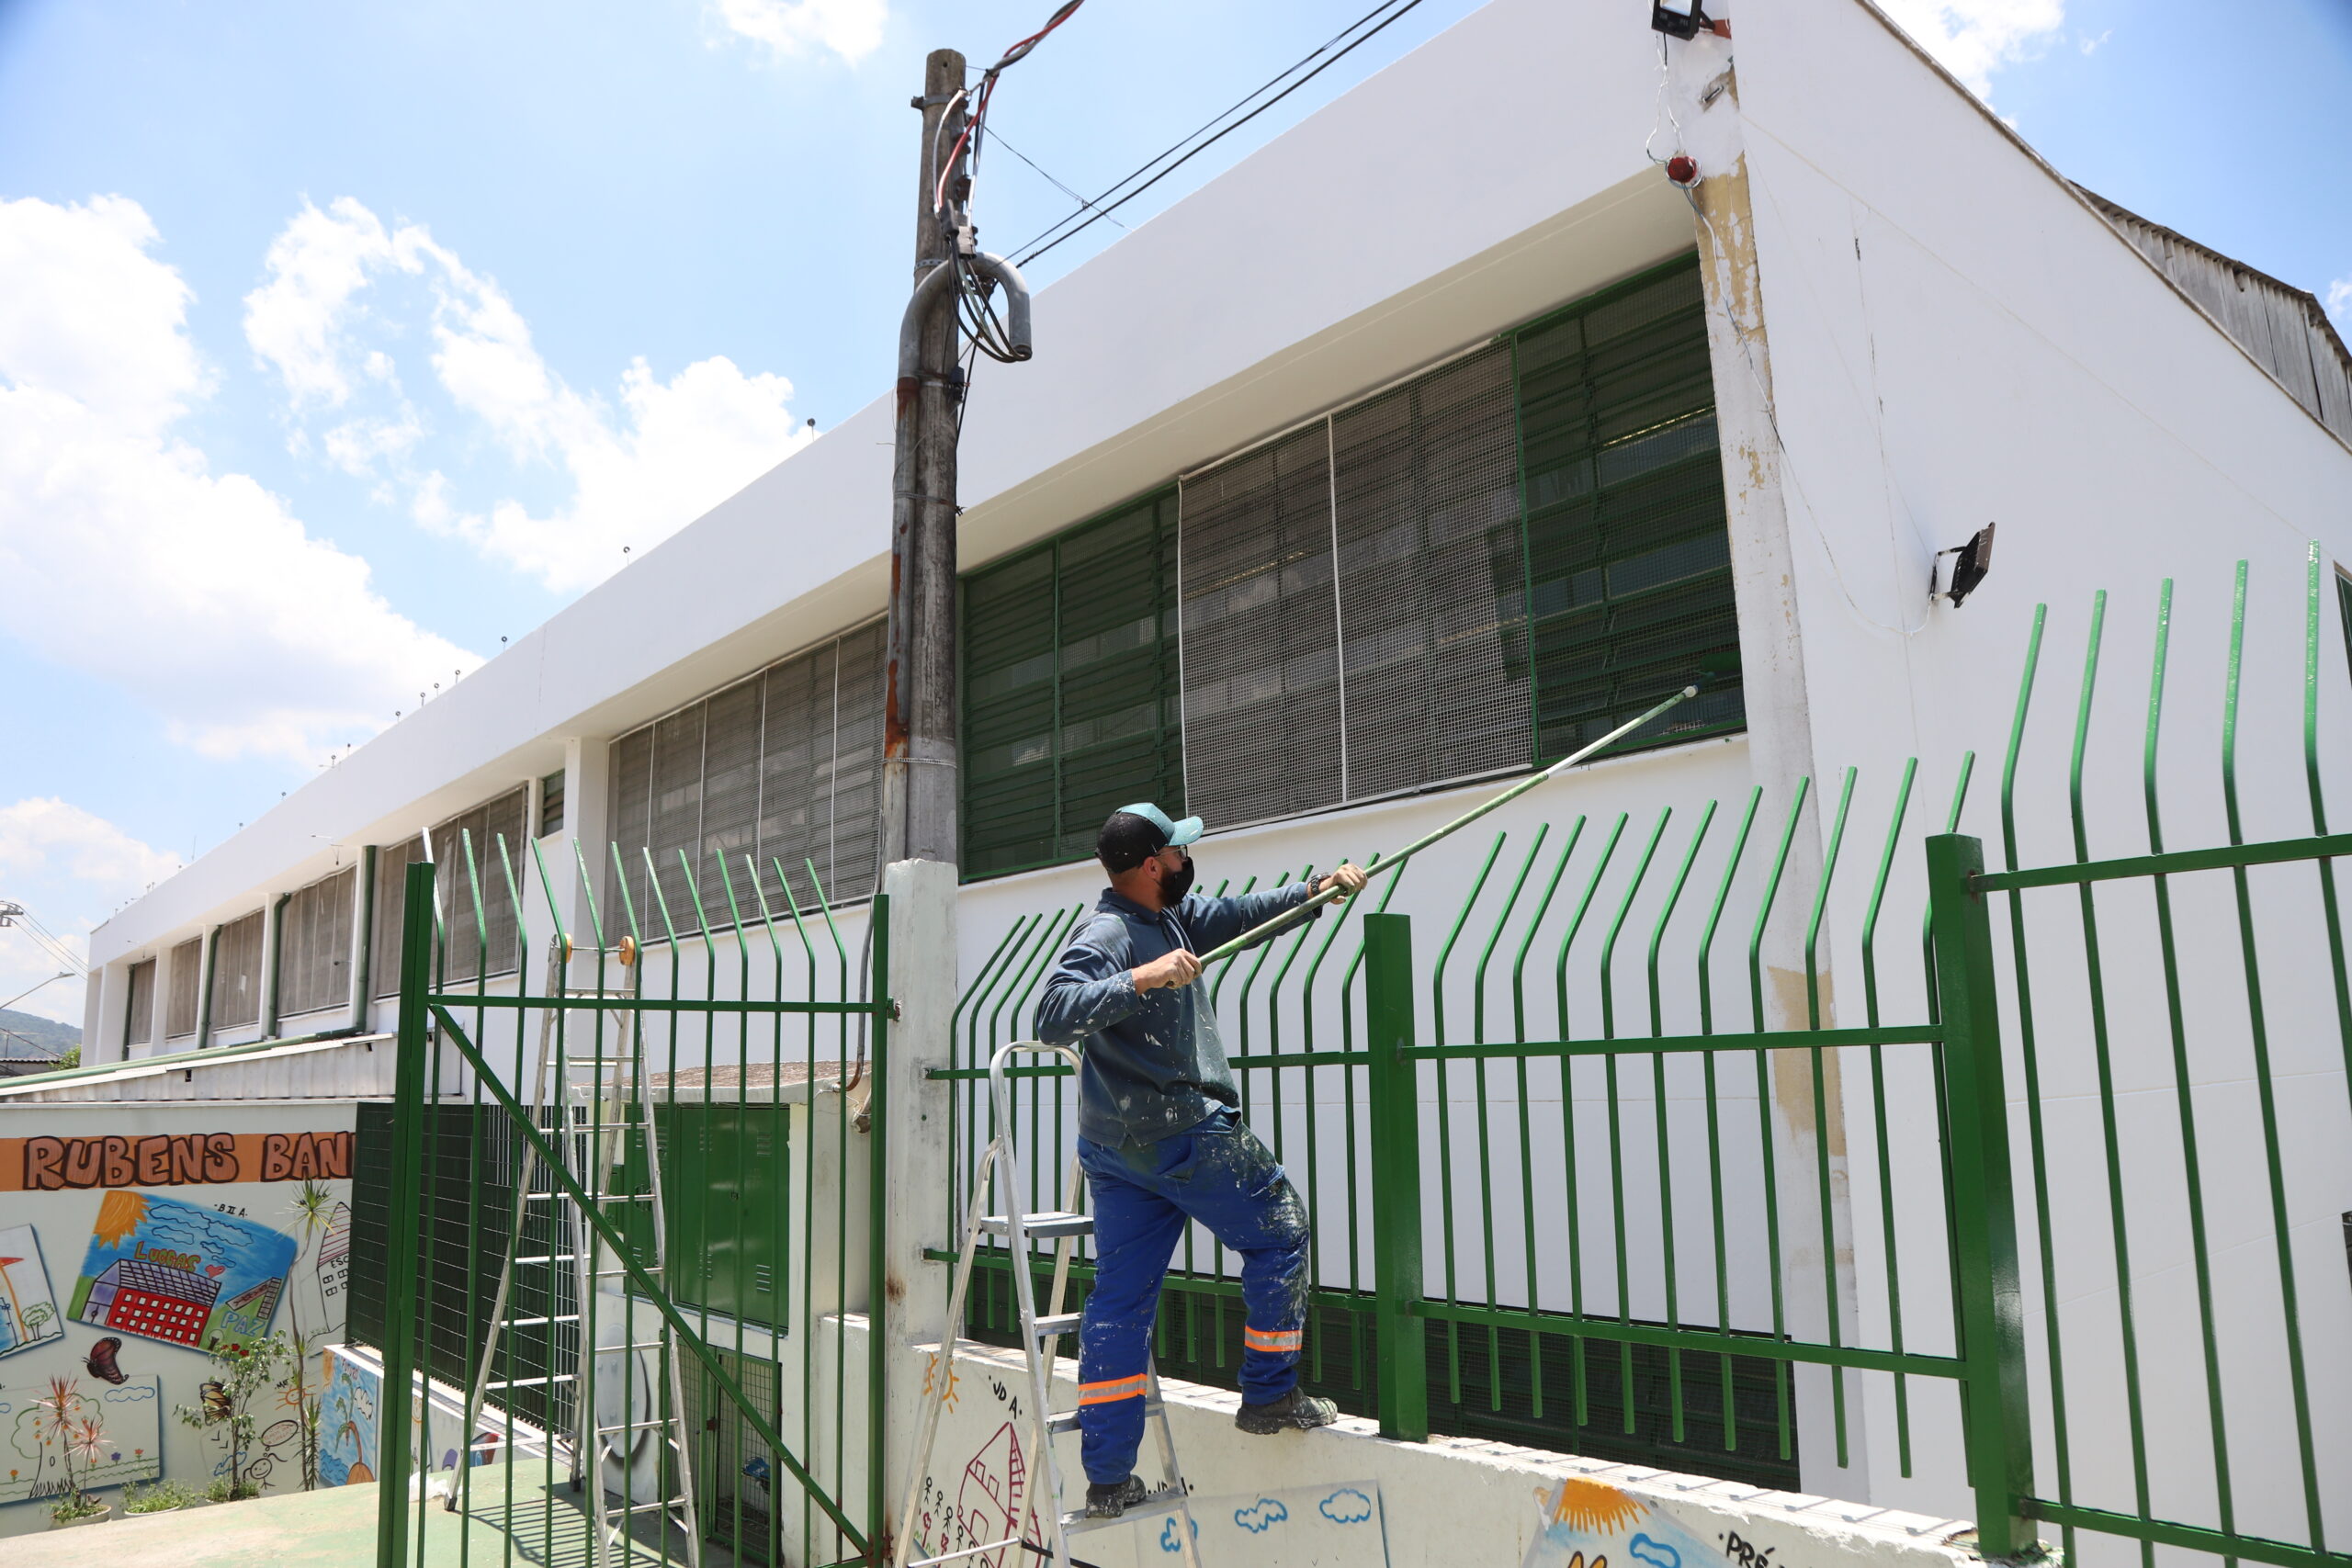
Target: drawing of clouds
[[1657, 1553], [1170, 1539], [128, 1393], [1261, 1516], [1346, 1506]]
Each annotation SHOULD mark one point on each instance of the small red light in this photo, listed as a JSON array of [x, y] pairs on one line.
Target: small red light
[[1682, 169]]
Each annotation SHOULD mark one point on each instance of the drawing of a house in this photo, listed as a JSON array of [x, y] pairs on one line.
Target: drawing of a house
[[138, 1297]]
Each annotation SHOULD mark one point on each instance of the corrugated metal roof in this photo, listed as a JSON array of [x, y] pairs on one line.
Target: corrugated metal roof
[[2284, 327], [346, 1067]]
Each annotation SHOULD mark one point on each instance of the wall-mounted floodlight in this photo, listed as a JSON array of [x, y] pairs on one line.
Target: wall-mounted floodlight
[[1678, 19], [1969, 562]]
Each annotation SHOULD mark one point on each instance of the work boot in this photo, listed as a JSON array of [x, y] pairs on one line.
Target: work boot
[[1109, 1500], [1294, 1411]]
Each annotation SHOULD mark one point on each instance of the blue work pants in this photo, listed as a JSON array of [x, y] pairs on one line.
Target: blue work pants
[[1144, 1195]]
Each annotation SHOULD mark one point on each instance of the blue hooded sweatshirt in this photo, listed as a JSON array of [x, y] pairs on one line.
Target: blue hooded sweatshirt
[[1152, 1065]]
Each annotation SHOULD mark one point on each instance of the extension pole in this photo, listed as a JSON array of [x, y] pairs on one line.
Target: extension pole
[[1258, 933], [919, 723]]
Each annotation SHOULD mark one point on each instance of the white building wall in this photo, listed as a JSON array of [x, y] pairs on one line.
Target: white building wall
[[1957, 338]]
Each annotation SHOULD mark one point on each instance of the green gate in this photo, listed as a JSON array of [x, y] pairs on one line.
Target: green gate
[[575, 1370]]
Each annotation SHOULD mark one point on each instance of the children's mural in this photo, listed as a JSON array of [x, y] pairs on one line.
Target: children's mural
[[169, 1270], [199, 1233], [29, 1314], [1587, 1523], [348, 1422], [106, 1436]]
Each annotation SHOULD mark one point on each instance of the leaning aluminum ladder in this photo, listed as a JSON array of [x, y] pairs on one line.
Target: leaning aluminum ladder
[[1039, 1338], [596, 1091]]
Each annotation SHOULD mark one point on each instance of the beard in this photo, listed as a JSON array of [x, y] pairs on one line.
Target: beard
[[1174, 885]]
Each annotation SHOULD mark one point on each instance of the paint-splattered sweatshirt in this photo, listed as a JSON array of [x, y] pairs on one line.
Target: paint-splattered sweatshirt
[[1152, 1063]]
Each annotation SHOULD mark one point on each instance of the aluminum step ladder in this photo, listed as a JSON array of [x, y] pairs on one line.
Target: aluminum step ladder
[[1040, 1335], [599, 1099]]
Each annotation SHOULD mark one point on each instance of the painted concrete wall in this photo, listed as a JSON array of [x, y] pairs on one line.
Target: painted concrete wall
[[235, 1219]]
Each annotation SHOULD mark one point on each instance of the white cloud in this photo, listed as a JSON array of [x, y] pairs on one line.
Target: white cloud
[[1975, 37], [2339, 301], [670, 451], [2090, 45], [850, 29], [125, 556], [45, 838], [68, 867]]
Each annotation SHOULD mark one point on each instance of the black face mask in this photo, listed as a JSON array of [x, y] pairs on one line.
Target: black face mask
[[1174, 885]]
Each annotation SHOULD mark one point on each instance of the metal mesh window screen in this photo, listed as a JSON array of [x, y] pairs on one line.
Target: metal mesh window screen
[[632, 814], [185, 974], [1261, 634], [477, 899], [676, 822], [139, 1018], [236, 973], [1431, 578], [856, 774], [783, 767], [1628, 557], [730, 799], [1071, 689], [797, 808], [314, 947], [384, 927]]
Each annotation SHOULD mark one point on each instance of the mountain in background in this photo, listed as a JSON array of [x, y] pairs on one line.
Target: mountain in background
[[23, 1034]]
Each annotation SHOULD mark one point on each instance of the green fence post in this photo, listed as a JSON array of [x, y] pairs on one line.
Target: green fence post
[[877, 1176], [1394, 1079], [407, 1188], [1984, 1225]]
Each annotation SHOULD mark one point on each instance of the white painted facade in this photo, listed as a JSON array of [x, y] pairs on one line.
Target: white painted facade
[[1941, 332]]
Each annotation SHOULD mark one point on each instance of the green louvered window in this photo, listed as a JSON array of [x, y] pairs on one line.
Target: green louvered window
[[1629, 559], [1071, 689]]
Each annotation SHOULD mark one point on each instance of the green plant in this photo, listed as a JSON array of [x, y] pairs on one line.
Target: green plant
[[69, 1057], [161, 1497], [243, 1375]]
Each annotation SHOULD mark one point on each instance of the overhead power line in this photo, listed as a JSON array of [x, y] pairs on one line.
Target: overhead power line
[[1158, 168]]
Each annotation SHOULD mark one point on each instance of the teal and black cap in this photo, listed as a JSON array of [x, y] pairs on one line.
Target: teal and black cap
[[1133, 834]]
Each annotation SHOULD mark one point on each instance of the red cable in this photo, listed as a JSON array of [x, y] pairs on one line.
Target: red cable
[[1013, 56]]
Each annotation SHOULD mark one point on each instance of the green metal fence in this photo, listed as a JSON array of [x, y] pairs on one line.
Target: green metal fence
[[715, 1063], [1629, 1136]]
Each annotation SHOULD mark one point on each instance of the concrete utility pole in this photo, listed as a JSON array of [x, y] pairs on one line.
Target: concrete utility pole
[[920, 771]]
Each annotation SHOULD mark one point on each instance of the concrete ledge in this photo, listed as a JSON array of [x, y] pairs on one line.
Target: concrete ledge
[[1453, 1501]]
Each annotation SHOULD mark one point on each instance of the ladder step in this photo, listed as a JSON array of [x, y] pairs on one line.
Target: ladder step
[[958, 1555], [646, 1425], [541, 1322], [644, 1508], [532, 1382], [1165, 1501], [592, 1198], [1060, 1423], [1046, 1328], [550, 1257], [1042, 1227]]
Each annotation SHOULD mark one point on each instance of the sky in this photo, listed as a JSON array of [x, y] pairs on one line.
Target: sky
[[338, 343]]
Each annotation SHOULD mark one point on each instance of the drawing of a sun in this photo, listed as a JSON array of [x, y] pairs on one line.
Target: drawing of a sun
[[118, 1214], [1593, 1506]]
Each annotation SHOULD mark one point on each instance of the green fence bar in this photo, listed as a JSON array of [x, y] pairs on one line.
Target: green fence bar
[[1393, 1080], [1997, 1433], [405, 1199]]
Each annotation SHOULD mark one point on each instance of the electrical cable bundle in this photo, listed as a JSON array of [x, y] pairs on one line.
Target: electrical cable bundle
[[975, 306]]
